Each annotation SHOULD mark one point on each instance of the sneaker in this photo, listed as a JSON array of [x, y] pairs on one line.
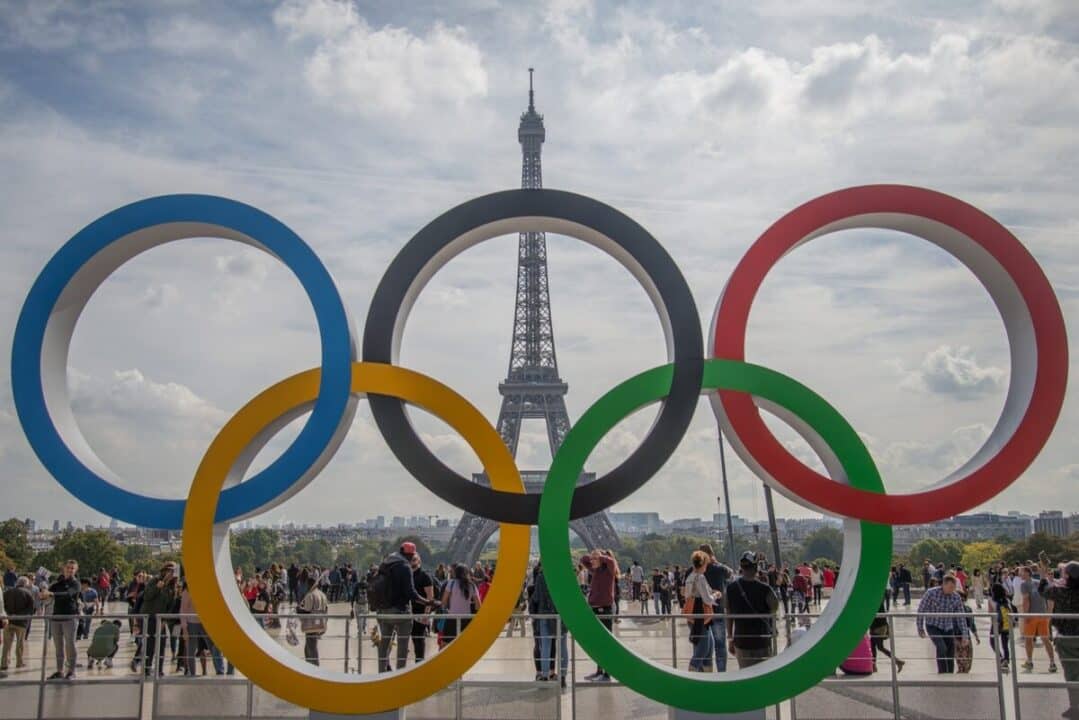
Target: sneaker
[[899, 666], [1028, 667], [604, 678], [1052, 667], [593, 677], [108, 662], [56, 676], [71, 676]]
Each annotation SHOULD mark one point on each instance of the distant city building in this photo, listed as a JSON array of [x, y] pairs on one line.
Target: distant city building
[[964, 528], [398, 521], [31, 526], [56, 526], [635, 522], [1055, 522], [380, 522]]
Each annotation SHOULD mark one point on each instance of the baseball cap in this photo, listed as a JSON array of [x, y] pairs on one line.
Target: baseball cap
[[748, 558], [408, 548]]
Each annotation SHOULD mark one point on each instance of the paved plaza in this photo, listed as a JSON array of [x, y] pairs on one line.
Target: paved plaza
[[501, 684]]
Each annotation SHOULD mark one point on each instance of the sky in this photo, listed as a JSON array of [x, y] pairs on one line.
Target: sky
[[355, 124]]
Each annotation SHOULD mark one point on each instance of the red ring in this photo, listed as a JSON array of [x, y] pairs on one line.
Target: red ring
[[1050, 340]]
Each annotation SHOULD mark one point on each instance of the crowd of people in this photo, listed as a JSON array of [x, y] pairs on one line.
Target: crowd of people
[[729, 613]]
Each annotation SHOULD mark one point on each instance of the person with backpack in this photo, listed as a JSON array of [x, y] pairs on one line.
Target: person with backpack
[[545, 630], [390, 595], [749, 605], [104, 644]]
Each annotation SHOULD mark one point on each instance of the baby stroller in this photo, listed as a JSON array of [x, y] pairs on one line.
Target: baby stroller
[[104, 644]]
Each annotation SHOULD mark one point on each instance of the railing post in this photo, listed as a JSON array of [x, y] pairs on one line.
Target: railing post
[[573, 681], [674, 641], [348, 631], [1015, 667], [141, 642], [44, 663], [895, 670]]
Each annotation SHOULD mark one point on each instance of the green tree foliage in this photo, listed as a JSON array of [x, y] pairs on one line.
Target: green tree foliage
[[15, 543], [1056, 549], [981, 554], [949, 552], [256, 548], [92, 549], [824, 544]]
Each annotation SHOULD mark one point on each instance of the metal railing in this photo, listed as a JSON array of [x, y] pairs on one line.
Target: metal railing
[[505, 680]]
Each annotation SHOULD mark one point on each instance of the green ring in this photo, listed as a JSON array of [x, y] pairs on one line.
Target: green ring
[[809, 661]]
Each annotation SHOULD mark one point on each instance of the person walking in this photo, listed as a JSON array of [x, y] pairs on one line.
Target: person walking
[[977, 587], [1001, 623], [89, 601], [1064, 595], [19, 606], [312, 611], [945, 630], [816, 579], [603, 569], [699, 604], [64, 594], [460, 597], [879, 632], [749, 603], [905, 580], [1036, 620]]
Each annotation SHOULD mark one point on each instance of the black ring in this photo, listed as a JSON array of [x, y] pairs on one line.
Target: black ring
[[436, 244]]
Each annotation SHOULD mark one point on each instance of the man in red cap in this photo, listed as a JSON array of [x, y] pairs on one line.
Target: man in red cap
[[393, 599]]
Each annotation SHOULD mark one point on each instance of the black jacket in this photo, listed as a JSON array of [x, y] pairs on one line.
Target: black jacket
[[65, 596], [402, 589]]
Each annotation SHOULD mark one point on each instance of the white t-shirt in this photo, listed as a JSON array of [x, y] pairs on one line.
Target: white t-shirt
[[636, 574]]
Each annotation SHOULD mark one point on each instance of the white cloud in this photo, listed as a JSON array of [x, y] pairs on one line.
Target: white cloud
[[955, 372], [388, 72]]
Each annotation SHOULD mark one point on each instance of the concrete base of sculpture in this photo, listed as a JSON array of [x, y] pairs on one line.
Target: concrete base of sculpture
[[676, 714]]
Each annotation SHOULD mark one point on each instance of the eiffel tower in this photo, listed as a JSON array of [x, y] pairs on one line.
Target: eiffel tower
[[532, 388]]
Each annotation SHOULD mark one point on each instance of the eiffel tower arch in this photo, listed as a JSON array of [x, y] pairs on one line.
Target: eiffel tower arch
[[533, 388]]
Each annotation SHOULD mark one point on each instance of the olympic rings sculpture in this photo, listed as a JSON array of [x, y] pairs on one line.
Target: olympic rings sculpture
[[738, 390]]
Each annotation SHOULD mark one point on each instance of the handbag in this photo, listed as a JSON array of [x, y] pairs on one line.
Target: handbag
[[259, 605], [290, 632]]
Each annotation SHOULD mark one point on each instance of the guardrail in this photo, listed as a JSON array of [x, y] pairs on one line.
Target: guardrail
[[504, 684]]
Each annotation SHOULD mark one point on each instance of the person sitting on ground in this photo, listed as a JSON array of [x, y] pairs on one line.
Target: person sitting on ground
[[104, 644]]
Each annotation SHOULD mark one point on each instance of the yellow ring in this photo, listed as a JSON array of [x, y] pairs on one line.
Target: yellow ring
[[209, 569]]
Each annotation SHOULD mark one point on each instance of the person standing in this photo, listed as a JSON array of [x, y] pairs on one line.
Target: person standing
[[89, 600], [312, 611], [927, 573], [977, 587], [104, 588], [159, 598], [1035, 621], [19, 606], [944, 630], [816, 579], [421, 619], [718, 576], [636, 579], [905, 580], [396, 617], [699, 602], [1001, 623], [749, 603], [550, 642], [1065, 599], [65, 609], [10, 578], [603, 569]]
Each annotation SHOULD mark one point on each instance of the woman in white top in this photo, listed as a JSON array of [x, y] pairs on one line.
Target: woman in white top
[[459, 598], [977, 587], [699, 600], [816, 579]]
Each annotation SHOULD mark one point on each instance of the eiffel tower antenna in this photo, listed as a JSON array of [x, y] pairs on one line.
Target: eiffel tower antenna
[[533, 388]]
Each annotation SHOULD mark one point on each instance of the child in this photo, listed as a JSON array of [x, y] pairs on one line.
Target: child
[[104, 644], [645, 595]]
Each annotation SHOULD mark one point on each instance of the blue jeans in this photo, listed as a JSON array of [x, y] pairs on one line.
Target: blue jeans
[[944, 644], [702, 651], [544, 632], [718, 629]]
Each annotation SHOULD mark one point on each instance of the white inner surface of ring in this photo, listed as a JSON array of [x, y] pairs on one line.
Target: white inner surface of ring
[[60, 328], [1005, 295]]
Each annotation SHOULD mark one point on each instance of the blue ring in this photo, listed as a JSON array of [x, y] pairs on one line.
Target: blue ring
[[332, 407]]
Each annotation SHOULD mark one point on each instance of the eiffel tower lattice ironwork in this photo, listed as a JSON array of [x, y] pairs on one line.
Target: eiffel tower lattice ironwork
[[533, 388]]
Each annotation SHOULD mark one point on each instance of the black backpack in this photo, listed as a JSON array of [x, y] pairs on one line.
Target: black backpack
[[379, 590]]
